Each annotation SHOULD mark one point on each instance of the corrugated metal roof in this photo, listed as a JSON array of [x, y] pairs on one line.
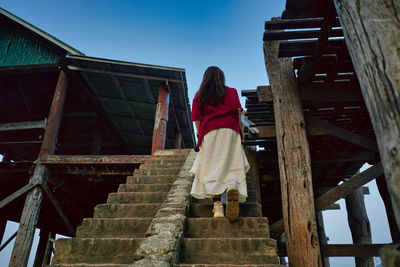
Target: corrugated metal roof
[[128, 94], [40, 32]]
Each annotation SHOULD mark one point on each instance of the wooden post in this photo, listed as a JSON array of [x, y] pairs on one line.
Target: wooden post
[[372, 34], [41, 249], [160, 120], [359, 224], [177, 139], [383, 191], [294, 161], [30, 213], [49, 249], [323, 239]]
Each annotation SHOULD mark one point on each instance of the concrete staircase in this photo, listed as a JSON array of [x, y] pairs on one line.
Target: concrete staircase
[[112, 236], [218, 242]]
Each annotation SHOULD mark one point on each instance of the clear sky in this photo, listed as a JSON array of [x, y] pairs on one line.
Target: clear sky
[[186, 34]]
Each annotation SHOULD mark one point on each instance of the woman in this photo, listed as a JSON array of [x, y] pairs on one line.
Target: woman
[[221, 165]]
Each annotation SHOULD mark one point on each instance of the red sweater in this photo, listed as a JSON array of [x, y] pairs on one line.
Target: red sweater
[[224, 115]]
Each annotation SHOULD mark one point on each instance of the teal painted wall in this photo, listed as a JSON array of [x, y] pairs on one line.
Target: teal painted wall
[[19, 47]]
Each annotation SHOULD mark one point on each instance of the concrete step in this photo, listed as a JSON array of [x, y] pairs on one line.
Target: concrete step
[[113, 227], [151, 179], [157, 171], [126, 210], [136, 197], [95, 250], [173, 152], [223, 265], [144, 187], [169, 165], [252, 196], [222, 228], [248, 209], [166, 160], [229, 251], [90, 265]]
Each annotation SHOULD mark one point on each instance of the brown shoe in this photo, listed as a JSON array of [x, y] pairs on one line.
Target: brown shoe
[[232, 205]]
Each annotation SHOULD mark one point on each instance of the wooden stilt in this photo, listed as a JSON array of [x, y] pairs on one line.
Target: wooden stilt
[[383, 191], [30, 213], [359, 224], [49, 249], [294, 161], [323, 239], [177, 139], [372, 34], [160, 120]]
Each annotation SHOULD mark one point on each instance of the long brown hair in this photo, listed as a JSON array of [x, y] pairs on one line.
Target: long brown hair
[[212, 89]]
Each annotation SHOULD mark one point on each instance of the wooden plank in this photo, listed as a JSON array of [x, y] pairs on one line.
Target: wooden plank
[[314, 93], [377, 63], [343, 134], [344, 250], [294, 161], [270, 131], [359, 224], [307, 70], [58, 208], [13, 126], [292, 35], [337, 193], [160, 120], [94, 159], [297, 24]]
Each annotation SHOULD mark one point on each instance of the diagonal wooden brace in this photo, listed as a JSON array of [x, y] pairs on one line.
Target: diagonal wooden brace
[[19, 192], [57, 206]]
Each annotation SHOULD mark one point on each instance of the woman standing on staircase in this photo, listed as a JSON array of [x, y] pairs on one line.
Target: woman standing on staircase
[[221, 164]]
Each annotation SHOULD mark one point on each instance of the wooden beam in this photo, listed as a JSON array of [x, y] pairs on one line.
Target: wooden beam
[[30, 213], [41, 249], [13, 126], [294, 161], [372, 35], [94, 159], [160, 120], [314, 93], [270, 131], [58, 208], [123, 74], [55, 115], [337, 193], [359, 224], [19, 193], [343, 134], [344, 250]]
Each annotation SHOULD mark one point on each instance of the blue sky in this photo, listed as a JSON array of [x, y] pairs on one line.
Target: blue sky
[[185, 34]]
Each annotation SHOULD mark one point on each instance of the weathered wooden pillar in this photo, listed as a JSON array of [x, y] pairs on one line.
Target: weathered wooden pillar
[[359, 224], [372, 34], [294, 161], [177, 139], [383, 191], [323, 239], [160, 120], [42, 249], [30, 213]]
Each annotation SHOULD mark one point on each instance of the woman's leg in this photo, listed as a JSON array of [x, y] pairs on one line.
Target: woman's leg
[[218, 207]]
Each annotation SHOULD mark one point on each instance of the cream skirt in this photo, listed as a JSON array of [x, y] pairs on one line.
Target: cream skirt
[[220, 163]]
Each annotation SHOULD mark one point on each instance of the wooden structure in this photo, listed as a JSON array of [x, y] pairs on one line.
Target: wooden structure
[[72, 128], [331, 96]]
